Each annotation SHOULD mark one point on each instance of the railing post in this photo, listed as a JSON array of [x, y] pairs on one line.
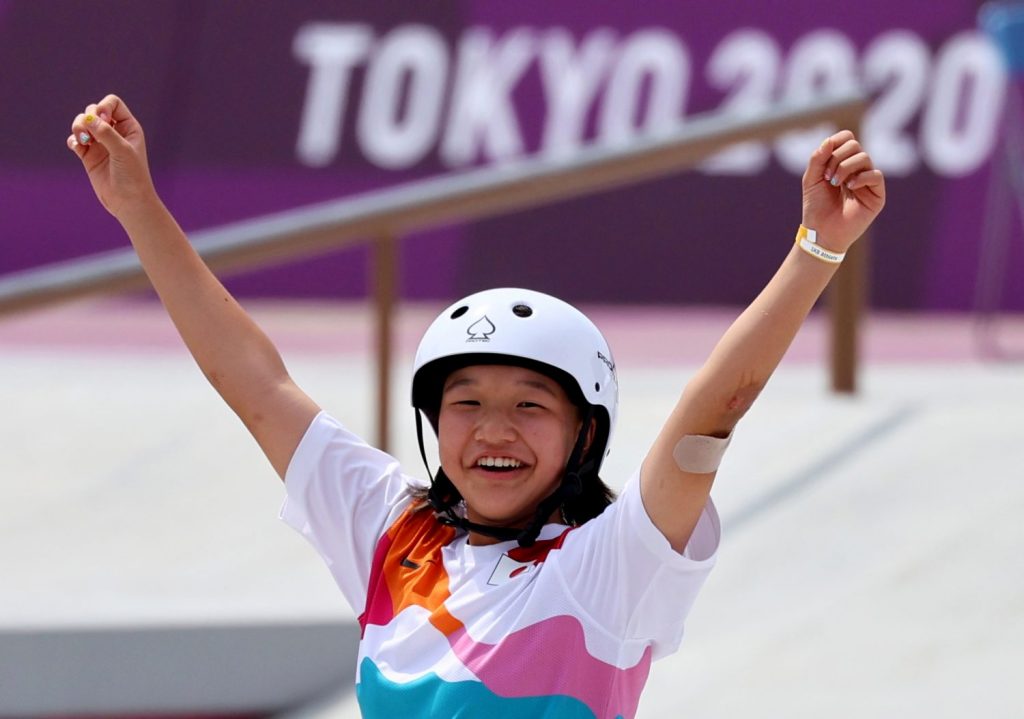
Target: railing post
[[385, 260], [846, 299]]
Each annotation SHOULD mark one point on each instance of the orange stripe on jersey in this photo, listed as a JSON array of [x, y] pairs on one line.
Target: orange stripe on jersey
[[408, 570]]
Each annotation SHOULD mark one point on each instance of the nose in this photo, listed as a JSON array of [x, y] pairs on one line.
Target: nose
[[494, 428]]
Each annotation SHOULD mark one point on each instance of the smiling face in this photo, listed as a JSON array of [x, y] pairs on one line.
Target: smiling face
[[505, 434]]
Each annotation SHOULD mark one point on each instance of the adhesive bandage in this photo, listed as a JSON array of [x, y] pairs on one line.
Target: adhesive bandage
[[700, 454]]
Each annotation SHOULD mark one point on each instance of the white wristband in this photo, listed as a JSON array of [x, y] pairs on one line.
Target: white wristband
[[808, 241]]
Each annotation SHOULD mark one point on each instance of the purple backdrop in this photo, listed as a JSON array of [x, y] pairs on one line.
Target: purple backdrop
[[252, 107]]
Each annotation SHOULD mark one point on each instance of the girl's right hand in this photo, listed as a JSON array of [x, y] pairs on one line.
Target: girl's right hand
[[109, 141]]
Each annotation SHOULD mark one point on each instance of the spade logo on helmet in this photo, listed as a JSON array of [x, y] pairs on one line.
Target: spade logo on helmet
[[481, 330]]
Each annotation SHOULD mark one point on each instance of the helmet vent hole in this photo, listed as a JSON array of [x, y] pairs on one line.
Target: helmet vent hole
[[459, 312], [521, 310], [597, 386]]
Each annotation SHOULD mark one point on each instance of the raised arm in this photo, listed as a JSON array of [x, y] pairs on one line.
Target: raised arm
[[235, 355], [842, 194]]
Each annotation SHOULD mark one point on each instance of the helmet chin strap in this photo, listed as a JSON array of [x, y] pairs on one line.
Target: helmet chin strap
[[443, 496]]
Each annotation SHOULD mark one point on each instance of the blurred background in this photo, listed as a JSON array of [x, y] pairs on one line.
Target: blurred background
[[871, 561]]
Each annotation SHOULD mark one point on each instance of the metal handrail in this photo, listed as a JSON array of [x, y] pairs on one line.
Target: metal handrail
[[384, 215]]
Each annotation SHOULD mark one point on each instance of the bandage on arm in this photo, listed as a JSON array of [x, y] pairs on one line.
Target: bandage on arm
[[700, 454]]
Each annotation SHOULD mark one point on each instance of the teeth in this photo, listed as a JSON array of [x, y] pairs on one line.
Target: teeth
[[498, 462]]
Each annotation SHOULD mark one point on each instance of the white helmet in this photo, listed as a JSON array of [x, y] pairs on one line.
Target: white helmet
[[522, 327]]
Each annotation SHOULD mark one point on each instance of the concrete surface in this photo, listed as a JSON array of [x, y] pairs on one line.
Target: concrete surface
[[872, 555]]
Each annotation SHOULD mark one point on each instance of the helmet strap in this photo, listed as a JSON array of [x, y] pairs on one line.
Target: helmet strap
[[419, 439]]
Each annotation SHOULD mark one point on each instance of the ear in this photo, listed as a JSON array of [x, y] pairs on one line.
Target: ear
[[591, 433]]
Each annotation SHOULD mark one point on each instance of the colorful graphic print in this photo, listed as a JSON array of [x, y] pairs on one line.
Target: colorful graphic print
[[541, 669]]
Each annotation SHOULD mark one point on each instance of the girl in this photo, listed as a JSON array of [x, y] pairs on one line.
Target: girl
[[510, 585]]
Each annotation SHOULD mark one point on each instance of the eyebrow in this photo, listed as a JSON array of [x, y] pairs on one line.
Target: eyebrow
[[469, 382]]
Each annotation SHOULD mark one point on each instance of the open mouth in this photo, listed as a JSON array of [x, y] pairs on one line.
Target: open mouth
[[498, 464]]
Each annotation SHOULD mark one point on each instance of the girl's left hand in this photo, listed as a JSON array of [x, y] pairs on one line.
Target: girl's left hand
[[109, 141], [842, 191]]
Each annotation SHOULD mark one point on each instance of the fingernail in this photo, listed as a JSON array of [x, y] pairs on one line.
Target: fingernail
[[84, 138], [834, 182], [849, 185], [90, 119], [828, 175], [105, 116]]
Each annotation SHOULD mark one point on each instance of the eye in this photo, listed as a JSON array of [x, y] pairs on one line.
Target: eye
[[460, 400], [530, 405]]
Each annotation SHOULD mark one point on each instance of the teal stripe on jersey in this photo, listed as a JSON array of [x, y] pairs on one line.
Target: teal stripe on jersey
[[430, 697]]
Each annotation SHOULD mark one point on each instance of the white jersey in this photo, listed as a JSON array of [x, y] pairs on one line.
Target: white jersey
[[566, 628]]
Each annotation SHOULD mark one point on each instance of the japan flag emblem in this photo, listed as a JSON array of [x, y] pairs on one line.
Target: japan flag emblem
[[508, 569]]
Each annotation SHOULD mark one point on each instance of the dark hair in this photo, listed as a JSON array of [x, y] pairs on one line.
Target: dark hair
[[589, 503]]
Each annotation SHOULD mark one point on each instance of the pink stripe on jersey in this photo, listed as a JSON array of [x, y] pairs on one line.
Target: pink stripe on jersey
[[551, 658], [380, 608]]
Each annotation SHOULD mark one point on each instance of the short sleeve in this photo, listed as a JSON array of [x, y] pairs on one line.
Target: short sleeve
[[341, 494], [626, 576]]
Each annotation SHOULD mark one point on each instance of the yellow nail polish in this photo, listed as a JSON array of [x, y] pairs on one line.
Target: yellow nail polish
[[90, 119]]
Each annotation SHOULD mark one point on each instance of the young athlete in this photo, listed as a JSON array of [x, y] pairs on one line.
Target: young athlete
[[510, 585]]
